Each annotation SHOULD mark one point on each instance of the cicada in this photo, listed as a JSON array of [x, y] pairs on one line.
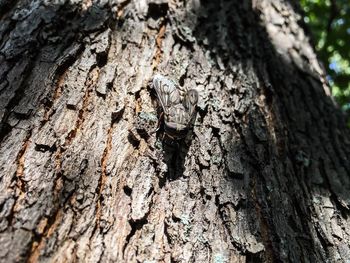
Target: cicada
[[178, 104]]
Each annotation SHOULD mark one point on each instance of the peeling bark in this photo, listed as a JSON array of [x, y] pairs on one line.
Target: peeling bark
[[262, 177]]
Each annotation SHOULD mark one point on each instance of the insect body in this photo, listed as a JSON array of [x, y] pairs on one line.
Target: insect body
[[178, 106]]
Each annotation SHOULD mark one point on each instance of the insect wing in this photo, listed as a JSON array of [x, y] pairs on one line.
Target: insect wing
[[167, 93], [176, 123], [190, 101]]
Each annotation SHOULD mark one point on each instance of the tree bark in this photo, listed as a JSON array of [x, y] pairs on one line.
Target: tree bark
[[262, 177]]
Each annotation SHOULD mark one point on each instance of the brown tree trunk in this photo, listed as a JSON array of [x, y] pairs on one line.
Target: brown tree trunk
[[263, 177]]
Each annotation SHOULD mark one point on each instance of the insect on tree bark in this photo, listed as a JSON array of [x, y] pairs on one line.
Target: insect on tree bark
[[262, 177]]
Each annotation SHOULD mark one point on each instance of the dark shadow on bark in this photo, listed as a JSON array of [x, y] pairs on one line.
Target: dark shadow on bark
[[175, 152], [241, 42], [173, 158]]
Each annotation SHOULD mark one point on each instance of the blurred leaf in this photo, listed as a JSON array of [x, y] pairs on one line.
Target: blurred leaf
[[329, 21]]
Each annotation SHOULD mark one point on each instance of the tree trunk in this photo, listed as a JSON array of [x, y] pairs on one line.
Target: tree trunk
[[262, 177]]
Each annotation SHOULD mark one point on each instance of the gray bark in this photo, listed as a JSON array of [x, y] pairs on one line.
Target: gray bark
[[263, 176]]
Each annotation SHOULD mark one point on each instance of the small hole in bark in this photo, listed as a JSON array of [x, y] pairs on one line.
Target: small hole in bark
[[47, 102], [45, 148], [127, 190], [175, 219], [157, 10], [133, 140], [182, 80], [101, 59], [4, 130], [254, 258]]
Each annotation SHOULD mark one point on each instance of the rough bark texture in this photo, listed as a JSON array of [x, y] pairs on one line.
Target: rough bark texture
[[263, 177]]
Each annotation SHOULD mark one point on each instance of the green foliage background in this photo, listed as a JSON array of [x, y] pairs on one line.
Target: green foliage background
[[329, 21]]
